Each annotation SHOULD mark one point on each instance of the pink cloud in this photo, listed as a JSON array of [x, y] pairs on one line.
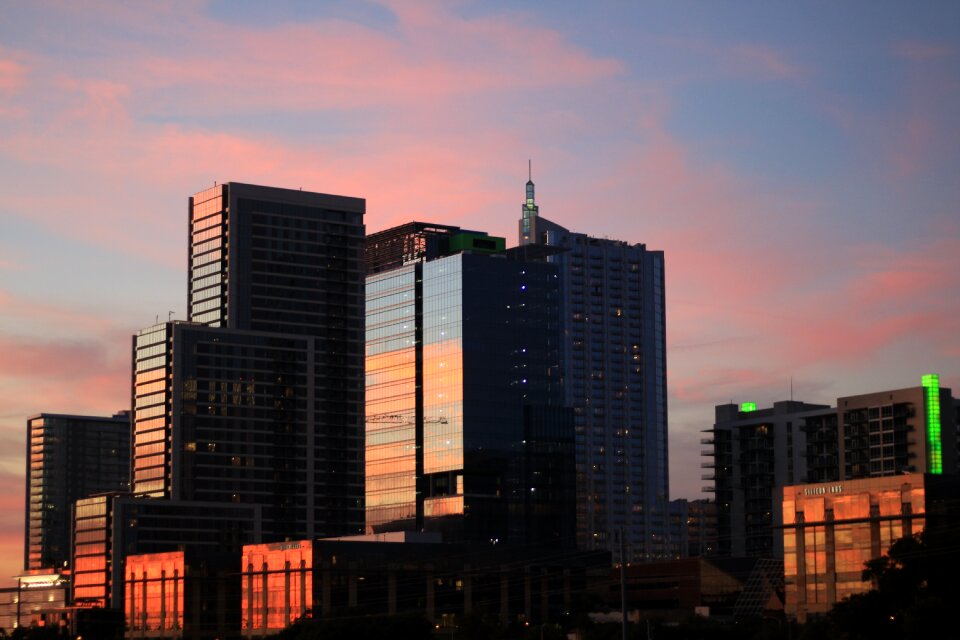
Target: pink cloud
[[11, 526], [920, 51], [765, 61], [12, 75]]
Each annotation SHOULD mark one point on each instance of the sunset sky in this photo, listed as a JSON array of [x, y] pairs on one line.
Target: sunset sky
[[798, 163]]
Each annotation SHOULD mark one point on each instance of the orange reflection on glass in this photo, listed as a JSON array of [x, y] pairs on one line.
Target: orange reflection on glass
[[276, 585], [448, 506], [443, 406], [153, 590]]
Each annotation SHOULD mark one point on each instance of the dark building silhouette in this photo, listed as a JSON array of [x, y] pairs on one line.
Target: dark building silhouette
[[68, 457], [466, 429], [614, 342]]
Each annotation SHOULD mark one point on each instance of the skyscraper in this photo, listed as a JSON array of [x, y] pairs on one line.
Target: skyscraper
[[466, 431], [612, 318], [68, 457], [258, 398]]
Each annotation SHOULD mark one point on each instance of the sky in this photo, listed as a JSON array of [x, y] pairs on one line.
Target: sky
[[797, 163]]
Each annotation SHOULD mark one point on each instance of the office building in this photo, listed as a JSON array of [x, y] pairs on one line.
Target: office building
[[111, 527], [68, 457], [831, 529], [258, 398], [756, 452], [466, 430], [612, 319]]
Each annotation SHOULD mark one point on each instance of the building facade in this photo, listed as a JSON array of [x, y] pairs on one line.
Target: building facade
[[756, 452], [284, 582], [614, 341], [68, 457], [466, 430], [258, 397], [831, 529]]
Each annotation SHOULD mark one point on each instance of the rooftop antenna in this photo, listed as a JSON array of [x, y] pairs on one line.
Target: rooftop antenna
[[791, 388], [530, 169]]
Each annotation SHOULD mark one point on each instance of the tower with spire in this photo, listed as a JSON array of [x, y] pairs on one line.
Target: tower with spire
[[530, 209], [614, 356]]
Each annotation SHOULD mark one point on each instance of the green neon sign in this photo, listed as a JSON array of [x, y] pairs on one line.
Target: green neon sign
[[747, 407], [931, 397]]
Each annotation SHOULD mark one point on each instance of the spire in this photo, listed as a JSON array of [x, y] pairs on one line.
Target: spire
[[529, 209]]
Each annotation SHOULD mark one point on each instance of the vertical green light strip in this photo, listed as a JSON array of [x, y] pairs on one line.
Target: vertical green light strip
[[931, 396], [747, 407]]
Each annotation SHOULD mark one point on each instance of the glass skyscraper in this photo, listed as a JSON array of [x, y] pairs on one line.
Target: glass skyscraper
[[615, 378], [465, 418]]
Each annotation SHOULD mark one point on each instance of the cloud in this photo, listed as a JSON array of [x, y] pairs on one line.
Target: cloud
[[764, 61], [12, 75]]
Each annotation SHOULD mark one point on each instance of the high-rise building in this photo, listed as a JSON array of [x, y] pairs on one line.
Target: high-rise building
[[756, 452], [466, 429], [68, 457], [612, 318], [258, 398]]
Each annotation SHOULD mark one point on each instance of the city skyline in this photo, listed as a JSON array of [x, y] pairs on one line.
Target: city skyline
[[796, 166]]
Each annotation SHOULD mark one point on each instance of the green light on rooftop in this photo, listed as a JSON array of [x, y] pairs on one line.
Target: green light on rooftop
[[747, 407], [931, 398]]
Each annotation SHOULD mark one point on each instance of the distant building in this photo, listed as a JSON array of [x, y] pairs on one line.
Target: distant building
[[614, 342], [756, 452], [831, 529], [466, 429], [693, 528], [40, 599], [68, 457]]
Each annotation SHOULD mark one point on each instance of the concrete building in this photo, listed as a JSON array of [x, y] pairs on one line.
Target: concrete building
[[754, 452], [614, 342]]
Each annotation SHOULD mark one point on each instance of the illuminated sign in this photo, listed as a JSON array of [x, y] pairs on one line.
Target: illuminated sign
[[747, 407], [820, 491], [931, 397]]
